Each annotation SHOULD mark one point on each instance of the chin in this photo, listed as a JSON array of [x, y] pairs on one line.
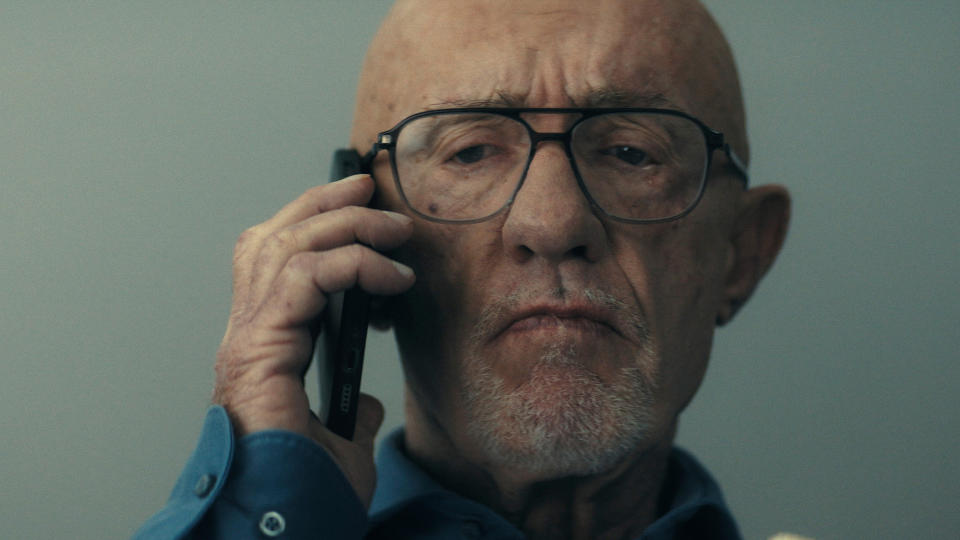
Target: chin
[[563, 420]]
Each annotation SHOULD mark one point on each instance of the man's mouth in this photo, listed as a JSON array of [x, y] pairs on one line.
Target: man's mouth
[[577, 318]]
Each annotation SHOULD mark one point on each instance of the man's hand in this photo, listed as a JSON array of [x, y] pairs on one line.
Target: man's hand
[[283, 271]]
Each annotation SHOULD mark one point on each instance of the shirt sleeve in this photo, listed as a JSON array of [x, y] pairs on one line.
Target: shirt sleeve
[[271, 484]]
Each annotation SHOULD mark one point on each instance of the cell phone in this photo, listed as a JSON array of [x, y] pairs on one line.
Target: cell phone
[[343, 336]]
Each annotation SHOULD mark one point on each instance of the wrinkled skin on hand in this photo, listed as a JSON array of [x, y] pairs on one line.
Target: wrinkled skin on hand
[[283, 271]]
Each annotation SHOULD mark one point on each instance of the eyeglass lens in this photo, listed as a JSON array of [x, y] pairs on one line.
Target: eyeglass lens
[[464, 166]]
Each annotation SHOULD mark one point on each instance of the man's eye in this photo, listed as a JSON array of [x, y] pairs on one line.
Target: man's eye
[[628, 154], [472, 154]]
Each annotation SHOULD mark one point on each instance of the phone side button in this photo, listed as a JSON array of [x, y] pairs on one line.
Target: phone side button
[[353, 360]]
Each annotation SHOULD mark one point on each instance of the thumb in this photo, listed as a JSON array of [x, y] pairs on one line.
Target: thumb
[[369, 419]]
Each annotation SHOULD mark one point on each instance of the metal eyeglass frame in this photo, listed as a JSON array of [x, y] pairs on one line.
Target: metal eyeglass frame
[[714, 140]]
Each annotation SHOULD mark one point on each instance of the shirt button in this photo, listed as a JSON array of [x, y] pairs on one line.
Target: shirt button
[[471, 530], [204, 485], [272, 524]]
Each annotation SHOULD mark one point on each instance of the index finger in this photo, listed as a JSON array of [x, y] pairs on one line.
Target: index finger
[[356, 190]]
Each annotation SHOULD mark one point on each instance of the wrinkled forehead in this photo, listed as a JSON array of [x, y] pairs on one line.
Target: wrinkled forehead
[[547, 53]]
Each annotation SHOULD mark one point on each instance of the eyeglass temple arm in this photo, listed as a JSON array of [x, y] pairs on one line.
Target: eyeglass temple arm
[[383, 142], [737, 163]]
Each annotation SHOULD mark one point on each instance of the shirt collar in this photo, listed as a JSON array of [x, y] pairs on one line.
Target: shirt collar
[[694, 503], [399, 480]]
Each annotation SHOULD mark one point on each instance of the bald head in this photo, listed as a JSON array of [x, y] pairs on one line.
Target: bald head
[[552, 339], [549, 53]]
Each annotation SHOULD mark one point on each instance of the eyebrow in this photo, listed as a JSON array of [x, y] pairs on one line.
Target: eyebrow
[[441, 123], [595, 98]]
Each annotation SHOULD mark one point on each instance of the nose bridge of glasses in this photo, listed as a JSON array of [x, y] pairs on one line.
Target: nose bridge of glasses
[[552, 120], [537, 138], [559, 165], [546, 126]]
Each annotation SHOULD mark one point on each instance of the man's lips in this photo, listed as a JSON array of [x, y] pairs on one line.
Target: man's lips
[[580, 317]]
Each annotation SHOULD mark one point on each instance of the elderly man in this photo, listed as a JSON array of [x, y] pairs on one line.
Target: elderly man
[[555, 220]]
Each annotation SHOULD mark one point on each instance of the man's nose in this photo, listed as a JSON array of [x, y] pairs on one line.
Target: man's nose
[[550, 216]]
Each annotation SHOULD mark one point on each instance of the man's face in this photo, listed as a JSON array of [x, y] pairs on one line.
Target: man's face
[[549, 337]]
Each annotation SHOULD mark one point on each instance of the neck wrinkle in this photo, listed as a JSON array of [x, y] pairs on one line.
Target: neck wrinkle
[[617, 504]]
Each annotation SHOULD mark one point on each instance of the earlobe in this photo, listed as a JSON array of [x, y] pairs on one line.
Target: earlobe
[[755, 242]]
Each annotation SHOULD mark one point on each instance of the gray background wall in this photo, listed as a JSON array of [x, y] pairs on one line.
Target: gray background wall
[[137, 139]]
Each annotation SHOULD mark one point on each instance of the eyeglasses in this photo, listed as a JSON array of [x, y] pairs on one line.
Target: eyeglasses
[[633, 165]]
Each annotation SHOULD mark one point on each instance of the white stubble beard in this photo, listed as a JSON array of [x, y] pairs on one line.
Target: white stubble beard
[[563, 419]]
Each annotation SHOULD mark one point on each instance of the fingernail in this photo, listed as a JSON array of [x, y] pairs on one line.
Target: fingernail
[[404, 270], [398, 217]]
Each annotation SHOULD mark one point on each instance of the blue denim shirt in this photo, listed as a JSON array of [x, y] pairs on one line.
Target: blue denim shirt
[[277, 484]]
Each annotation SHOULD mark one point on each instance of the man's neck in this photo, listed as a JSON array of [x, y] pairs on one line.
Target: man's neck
[[615, 504]]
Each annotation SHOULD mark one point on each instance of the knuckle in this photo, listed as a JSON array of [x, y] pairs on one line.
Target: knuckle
[[244, 243], [333, 268], [358, 256], [283, 240], [303, 262], [248, 237]]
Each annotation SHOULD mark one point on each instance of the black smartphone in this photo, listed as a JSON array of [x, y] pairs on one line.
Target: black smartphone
[[343, 337]]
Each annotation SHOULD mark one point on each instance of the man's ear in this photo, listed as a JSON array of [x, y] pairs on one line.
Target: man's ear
[[756, 239]]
